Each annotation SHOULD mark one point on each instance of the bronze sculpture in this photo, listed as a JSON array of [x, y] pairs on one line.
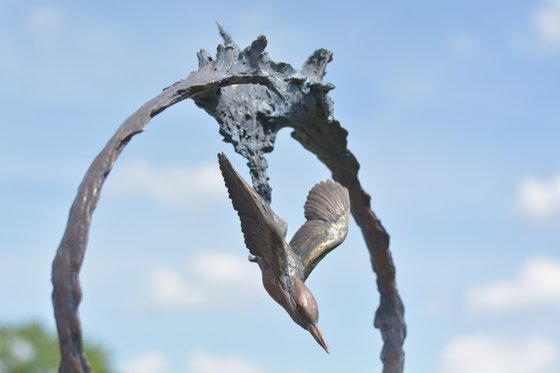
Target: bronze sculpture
[[251, 97], [285, 267]]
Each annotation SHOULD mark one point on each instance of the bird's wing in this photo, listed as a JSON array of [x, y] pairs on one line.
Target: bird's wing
[[259, 224], [327, 211]]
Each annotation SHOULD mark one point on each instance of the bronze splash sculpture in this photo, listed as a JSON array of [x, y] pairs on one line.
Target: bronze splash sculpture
[[285, 267], [251, 97]]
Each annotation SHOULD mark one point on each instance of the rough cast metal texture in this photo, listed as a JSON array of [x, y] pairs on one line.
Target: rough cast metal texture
[[252, 98]]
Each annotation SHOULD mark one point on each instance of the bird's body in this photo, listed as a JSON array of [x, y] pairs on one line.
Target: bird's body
[[285, 267]]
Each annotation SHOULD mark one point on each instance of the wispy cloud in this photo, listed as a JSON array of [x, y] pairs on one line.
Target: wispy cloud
[[539, 199], [500, 354], [543, 34], [203, 362], [43, 23], [536, 286], [59, 55], [546, 22], [172, 186], [463, 44], [147, 362], [208, 280]]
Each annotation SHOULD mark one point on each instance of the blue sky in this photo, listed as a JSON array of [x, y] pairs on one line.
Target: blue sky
[[452, 110]]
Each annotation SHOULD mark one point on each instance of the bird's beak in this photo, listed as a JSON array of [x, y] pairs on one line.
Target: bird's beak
[[316, 333]]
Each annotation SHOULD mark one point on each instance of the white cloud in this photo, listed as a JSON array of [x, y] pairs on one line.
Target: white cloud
[[536, 286], [463, 44], [208, 280], [499, 354], [546, 22], [544, 32], [148, 362], [202, 362], [43, 22], [171, 185], [169, 290], [539, 199]]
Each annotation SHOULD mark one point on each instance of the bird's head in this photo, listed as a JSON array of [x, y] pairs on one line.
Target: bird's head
[[304, 311]]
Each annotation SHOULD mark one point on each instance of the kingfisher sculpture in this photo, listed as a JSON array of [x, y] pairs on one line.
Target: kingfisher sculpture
[[252, 97], [285, 267]]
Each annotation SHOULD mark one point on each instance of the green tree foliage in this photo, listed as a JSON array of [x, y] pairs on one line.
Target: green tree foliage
[[30, 348]]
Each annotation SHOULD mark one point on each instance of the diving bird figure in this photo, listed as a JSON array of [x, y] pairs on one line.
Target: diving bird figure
[[285, 267]]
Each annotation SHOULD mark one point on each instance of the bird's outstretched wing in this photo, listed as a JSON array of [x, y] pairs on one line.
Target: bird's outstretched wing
[[262, 229], [327, 211]]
